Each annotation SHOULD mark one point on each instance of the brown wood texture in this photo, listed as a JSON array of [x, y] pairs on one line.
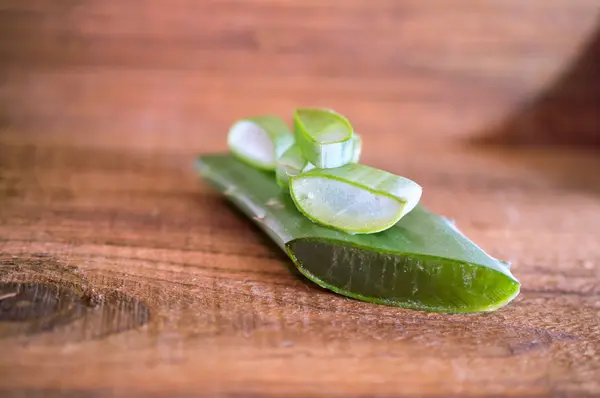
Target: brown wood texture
[[122, 275]]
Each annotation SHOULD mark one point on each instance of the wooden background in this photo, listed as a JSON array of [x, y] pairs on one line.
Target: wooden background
[[122, 275]]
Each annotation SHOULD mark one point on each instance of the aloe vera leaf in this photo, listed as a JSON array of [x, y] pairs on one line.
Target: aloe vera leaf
[[259, 141], [354, 198], [324, 136], [423, 262]]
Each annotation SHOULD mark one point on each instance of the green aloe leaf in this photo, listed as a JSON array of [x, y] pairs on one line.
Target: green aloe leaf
[[259, 141], [354, 198], [423, 262], [324, 136]]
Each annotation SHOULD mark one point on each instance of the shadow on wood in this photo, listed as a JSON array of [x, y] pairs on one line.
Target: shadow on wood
[[566, 114]]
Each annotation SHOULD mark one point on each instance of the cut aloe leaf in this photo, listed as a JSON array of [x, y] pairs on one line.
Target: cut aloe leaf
[[324, 136], [423, 262], [290, 164], [260, 141], [354, 198]]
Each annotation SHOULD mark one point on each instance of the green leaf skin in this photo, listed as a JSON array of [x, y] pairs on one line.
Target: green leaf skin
[[324, 136], [423, 262], [259, 141], [354, 198]]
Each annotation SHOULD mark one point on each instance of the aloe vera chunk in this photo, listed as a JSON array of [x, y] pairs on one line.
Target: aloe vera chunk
[[354, 198], [325, 137], [259, 141]]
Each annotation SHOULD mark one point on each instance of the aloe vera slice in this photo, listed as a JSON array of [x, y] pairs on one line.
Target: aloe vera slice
[[324, 136], [260, 141], [354, 198], [423, 262]]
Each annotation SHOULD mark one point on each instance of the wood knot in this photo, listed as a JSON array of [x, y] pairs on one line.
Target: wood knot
[[58, 304], [21, 302]]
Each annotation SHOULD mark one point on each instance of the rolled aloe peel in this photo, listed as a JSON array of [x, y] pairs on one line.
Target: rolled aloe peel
[[260, 141], [354, 198], [325, 137], [423, 262]]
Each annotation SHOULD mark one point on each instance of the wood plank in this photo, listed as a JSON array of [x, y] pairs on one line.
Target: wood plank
[[123, 275], [222, 312]]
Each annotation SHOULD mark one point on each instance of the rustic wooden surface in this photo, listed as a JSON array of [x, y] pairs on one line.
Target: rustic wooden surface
[[122, 275]]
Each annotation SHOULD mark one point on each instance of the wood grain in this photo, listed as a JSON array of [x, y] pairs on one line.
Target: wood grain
[[122, 275]]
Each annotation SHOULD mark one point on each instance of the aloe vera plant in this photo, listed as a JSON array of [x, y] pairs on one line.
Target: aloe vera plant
[[423, 262]]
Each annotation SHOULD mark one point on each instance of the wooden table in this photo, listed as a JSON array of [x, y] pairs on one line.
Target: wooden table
[[122, 275]]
